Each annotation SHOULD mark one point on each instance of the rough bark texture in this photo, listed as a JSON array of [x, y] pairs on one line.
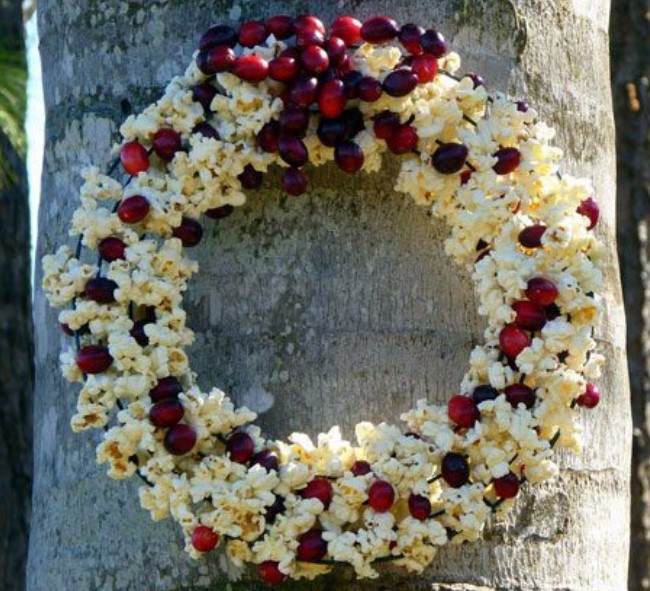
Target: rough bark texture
[[630, 43], [16, 350], [333, 308]]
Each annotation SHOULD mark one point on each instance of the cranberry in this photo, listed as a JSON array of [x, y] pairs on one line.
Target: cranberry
[[268, 136], [204, 93], [93, 359], [369, 89], [252, 33], [379, 29], [304, 91], [507, 486], [292, 150], [589, 208], [166, 388], [218, 213], [419, 507], [273, 510], [134, 158], [251, 68], [267, 459], [344, 66], [284, 68], [449, 158], [360, 468], [138, 333], [189, 232], [310, 37], [513, 340], [180, 439], [455, 469], [330, 131], [294, 120], [314, 59], [308, 22], [405, 139], [335, 48], [483, 393], [523, 106], [425, 67], [101, 290], [166, 142], [381, 496], [250, 178], [349, 156], [590, 397], [463, 411], [332, 99], [508, 160], [240, 447], [409, 37], [385, 124], [206, 130], [531, 236], [280, 26], [520, 394], [218, 59], [111, 249], [270, 573], [294, 182], [311, 546], [400, 82], [166, 413], [347, 28], [318, 488], [477, 79], [434, 43], [541, 291], [204, 539], [219, 35], [530, 316]]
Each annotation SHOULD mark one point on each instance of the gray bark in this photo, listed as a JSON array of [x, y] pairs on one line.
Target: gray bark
[[333, 308]]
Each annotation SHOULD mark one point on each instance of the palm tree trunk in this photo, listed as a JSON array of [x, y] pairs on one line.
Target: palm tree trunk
[[329, 309]]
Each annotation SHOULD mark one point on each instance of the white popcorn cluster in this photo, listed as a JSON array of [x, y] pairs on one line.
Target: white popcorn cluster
[[262, 513]]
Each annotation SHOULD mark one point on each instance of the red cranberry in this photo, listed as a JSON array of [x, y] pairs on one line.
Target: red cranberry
[[379, 29], [101, 290], [385, 124], [513, 340], [268, 136], [189, 232], [419, 507], [425, 67], [483, 393], [590, 397], [330, 131], [351, 81], [477, 80], [251, 68], [166, 413], [280, 26], [180, 439], [267, 459], [166, 142], [133, 209], [405, 139], [369, 89], [336, 50], [318, 488], [344, 66], [304, 91], [294, 182], [332, 99], [360, 468], [541, 291], [204, 93], [111, 249], [270, 573], [219, 35], [222, 58], [314, 59], [381, 496], [308, 22], [250, 178], [508, 160], [400, 82], [520, 394], [134, 158], [138, 333], [455, 470], [347, 28], [523, 106], [531, 236], [218, 213], [204, 539], [409, 37], [309, 37], [292, 150], [240, 447], [311, 546], [93, 359], [294, 120], [252, 33], [283, 69], [349, 156], [507, 486], [463, 411], [166, 388], [589, 208], [530, 316], [449, 158], [434, 43], [206, 130]]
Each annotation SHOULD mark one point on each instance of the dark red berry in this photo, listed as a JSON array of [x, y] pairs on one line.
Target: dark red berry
[[590, 397], [275, 509], [405, 139], [385, 124], [419, 507], [336, 50], [520, 394], [425, 67], [434, 43], [360, 468], [283, 69], [331, 131], [218, 213], [166, 142], [204, 93], [463, 411], [455, 470], [590, 209], [206, 130], [270, 573], [409, 37], [379, 29], [449, 158], [268, 136], [251, 68], [531, 236], [349, 156], [465, 176], [166, 413], [369, 89], [353, 121], [138, 333], [134, 158], [541, 291], [400, 82], [180, 439], [508, 160], [513, 340], [530, 316], [267, 459], [280, 26], [240, 447], [294, 182], [217, 59], [311, 546], [100, 290], [308, 22], [304, 91], [111, 249], [133, 209], [507, 486], [252, 33], [250, 178], [314, 59], [219, 35], [318, 488], [189, 232], [351, 81], [483, 393], [381, 496], [292, 150], [332, 98], [204, 539], [346, 28], [93, 359], [166, 388], [523, 106], [310, 37]]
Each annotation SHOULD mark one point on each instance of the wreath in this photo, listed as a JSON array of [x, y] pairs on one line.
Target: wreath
[[286, 92]]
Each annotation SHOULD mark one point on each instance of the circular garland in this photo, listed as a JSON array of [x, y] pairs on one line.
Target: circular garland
[[287, 92]]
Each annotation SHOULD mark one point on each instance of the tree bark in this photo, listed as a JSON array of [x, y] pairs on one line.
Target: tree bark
[[330, 309], [16, 344]]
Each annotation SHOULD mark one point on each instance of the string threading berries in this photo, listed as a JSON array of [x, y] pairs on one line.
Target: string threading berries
[[288, 92]]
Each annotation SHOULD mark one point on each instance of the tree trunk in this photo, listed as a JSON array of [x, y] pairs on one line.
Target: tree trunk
[[326, 309], [630, 31], [16, 350]]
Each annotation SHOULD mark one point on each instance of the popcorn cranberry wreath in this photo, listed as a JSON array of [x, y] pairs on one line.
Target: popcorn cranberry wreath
[[253, 98]]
